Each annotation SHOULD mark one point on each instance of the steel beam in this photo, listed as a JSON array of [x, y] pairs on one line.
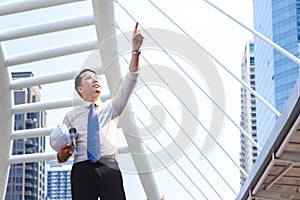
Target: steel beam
[[16, 6], [104, 21], [6, 123], [43, 79], [48, 27], [38, 106], [50, 53]]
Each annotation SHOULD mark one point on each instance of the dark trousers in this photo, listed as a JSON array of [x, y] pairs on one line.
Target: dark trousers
[[92, 180]]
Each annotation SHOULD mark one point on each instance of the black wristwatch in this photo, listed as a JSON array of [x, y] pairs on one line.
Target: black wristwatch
[[136, 52]]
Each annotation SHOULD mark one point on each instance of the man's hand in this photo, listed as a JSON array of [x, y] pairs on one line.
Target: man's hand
[[137, 39], [65, 152]]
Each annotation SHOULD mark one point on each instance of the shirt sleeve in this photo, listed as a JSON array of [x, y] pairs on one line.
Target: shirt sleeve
[[66, 120], [120, 101]]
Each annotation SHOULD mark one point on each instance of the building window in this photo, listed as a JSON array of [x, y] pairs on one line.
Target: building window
[[251, 47], [18, 117], [19, 180], [252, 61], [33, 98], [19, 188]]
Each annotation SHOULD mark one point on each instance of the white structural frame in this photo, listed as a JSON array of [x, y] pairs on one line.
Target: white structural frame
[[6, 124], [105, 29]]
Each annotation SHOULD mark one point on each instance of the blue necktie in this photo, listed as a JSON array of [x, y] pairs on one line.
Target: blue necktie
[[93, 141]]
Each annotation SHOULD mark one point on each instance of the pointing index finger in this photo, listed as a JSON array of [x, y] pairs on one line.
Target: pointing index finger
[[136, 26]]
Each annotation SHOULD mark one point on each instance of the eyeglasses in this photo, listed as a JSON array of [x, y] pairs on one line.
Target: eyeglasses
[[89, 77]]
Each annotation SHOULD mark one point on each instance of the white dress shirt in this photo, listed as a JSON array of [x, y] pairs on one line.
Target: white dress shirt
[[108, 113]]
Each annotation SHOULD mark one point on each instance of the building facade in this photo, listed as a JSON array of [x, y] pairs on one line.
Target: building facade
[[279, 20], [27, 180], [248, 152], [58, 181]]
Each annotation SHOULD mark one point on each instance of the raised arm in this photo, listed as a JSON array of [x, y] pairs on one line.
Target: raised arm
[[137, 40], [128, 84]]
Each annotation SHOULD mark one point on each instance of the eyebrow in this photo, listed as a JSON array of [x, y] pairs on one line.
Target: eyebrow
[[87, 74]]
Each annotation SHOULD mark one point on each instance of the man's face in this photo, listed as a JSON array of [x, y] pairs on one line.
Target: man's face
[[90, 87]]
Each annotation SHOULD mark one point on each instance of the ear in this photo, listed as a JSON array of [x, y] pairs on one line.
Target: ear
[[79, 89]]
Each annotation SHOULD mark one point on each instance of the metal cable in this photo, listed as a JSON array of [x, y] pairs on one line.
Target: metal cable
[[169, 135], [170, 157], [277, 113], [242, 170], [184, 132]]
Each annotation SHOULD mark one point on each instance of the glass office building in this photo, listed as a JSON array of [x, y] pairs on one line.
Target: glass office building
[[27, 180], [279, 20], [58, 181], [248, 152]]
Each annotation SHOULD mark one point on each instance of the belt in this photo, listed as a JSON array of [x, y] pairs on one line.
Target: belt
[[102, 160], [109, 162]]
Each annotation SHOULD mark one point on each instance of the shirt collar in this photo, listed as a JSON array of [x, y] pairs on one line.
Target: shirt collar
[[87, 104]]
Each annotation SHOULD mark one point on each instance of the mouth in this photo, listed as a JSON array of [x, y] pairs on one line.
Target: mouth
[[96, 85]]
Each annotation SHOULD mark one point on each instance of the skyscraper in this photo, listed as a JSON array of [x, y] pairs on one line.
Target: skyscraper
[[27, 180], [58, 181], [275, 74], [248, 153]]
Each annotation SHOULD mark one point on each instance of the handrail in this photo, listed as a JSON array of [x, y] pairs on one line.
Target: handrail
[[43, 79], [50, 53], [48, 27], [31, 133], [17, 6], [49, 105]]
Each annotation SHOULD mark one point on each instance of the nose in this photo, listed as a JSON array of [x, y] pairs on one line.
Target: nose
[[95, 78]]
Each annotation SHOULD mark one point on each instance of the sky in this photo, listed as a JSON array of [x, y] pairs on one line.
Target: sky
[[190, 175]]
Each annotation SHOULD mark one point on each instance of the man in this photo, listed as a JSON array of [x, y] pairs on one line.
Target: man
[[91, 176]]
